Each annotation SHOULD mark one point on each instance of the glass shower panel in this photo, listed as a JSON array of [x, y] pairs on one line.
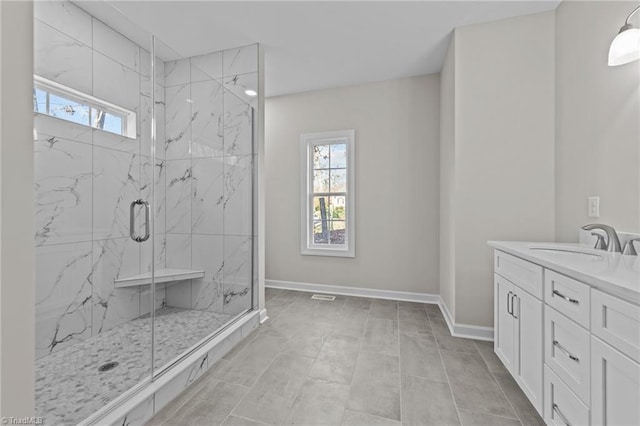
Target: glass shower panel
[[93, 298], [207, 149]]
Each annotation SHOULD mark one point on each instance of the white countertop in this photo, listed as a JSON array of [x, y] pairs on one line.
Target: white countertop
[[613, 273]]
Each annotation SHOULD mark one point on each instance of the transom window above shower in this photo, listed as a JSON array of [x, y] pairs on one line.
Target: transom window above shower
[[59, 101]]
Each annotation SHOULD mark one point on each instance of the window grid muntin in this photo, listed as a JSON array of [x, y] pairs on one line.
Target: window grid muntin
[[310, 191]]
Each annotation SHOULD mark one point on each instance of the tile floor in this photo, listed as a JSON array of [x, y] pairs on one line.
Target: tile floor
[[69, 386], [353, 361]]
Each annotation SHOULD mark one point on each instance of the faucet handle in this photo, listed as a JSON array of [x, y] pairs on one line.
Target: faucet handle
[[600, 242], [629, 249], [613, 242]]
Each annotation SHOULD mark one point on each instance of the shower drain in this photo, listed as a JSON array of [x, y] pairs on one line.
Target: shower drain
[[108, 366]]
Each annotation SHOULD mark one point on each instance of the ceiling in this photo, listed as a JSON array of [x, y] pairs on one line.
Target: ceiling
[[312, 45]]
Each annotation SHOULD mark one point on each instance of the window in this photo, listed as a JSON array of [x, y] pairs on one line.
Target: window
[[68, 104], [328, 218]]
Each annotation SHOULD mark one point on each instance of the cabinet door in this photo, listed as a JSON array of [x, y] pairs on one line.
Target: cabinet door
[[615, 386], [529, 348], [504, 323]]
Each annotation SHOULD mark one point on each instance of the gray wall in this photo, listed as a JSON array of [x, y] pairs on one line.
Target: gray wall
[[16, 220], [447, 178], [397, 139], [503, 144], [597, 122]]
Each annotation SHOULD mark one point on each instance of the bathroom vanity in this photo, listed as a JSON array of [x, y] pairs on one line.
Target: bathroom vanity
[[567, 328]]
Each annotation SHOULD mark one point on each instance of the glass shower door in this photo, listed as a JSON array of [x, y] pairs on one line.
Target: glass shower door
[[204, 157], [93, 239]]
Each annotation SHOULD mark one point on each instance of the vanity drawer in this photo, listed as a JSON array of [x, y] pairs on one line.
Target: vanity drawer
[[524, 274], [568, 296], [561, 406], [567, 352], [616, 322]]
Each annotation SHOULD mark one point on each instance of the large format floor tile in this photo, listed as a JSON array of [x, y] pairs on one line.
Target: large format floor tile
[[473, 385], [353, 362]]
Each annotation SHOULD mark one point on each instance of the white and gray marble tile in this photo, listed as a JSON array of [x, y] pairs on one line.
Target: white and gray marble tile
[[113, 259], [238, 195], [65, 17], [145, 66], [63, 184], [237, 261], [116, 46], [179, 251], [178, 118], [63, 296], [115, 185], [238, 129], [208, 196], [110, 140], [145, 122], [62, 128], [160, 253], [178, 193], [208, 254], [139, 415], [61, 58], [115, 83], [206, 67], [240, 60], [239, 84], [179, 294], [177, 72], [177, 385], [145, 298], [154, 191], [237, 298], [207, 128]]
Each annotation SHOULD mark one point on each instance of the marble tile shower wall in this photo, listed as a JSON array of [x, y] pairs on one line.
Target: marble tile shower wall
[[85, 180], [209, 161]]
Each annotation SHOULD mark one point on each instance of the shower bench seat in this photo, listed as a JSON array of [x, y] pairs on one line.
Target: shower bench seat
[[162, 276]]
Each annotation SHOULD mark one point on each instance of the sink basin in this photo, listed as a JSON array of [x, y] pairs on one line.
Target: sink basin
[[567, 251]]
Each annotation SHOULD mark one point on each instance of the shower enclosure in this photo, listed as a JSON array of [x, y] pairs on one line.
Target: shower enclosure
[[144, 193]]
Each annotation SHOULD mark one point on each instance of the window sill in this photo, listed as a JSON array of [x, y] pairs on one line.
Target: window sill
[[332, 252]]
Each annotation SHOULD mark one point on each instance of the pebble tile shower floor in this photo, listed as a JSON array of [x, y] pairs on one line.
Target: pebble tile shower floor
[[353, 361], [69, 385]]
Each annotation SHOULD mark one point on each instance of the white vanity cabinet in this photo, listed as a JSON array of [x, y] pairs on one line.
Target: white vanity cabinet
[[518, 328], [615, 361], [574, 350], [615, 386]]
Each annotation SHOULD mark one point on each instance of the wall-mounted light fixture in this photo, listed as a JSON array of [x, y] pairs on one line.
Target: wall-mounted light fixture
[[625, 47]]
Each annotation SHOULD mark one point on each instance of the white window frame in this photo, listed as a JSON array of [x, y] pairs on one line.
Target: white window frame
[[52, 87], [307, 142]]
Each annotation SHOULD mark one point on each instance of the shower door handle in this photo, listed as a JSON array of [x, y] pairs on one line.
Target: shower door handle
[[132, 220]]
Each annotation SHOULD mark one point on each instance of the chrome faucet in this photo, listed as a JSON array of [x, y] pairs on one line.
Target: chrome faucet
[[613, 243], [601, 244], [628, 247]]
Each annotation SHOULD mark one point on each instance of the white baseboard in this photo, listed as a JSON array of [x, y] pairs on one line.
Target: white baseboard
[[404, 296], [263, 316], [457, 330], [465, 330]]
